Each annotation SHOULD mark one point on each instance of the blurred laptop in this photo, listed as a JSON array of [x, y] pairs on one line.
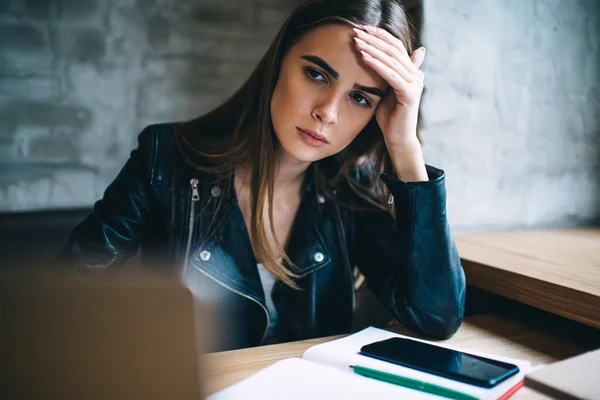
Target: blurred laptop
[[101, 338]]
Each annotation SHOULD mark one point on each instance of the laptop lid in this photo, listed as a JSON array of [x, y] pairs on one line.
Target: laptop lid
[[102, 338]]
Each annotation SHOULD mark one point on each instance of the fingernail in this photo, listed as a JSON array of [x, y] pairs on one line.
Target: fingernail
[[360, 42], [358, 31], [424, 50], [367, 56], [369, 29]]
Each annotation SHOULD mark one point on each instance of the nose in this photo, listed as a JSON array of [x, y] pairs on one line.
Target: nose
[[326, 111]]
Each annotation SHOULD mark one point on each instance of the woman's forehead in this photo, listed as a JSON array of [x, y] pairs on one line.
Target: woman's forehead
[[334, 43]]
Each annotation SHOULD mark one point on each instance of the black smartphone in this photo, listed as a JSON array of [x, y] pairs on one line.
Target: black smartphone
[[456, 365]]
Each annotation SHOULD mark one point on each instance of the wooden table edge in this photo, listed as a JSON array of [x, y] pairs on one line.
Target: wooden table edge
[[576, 305]]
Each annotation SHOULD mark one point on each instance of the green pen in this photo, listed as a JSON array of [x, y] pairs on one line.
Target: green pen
[[412, 383]]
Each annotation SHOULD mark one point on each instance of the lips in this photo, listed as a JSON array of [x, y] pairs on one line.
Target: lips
[[314, 134]]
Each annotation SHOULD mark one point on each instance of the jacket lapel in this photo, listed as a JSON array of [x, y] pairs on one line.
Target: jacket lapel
[[306, 248], [224, 251], [227, 256]]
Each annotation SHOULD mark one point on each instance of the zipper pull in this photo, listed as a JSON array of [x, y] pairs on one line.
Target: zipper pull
[[194, 184]]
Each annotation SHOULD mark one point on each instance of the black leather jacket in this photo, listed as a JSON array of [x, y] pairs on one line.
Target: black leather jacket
[[161, 204]]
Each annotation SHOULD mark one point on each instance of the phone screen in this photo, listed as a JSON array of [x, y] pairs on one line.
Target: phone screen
[[441, 361]]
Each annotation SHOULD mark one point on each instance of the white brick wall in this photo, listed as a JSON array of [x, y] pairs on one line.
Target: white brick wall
[[511, 110], [79, 79]]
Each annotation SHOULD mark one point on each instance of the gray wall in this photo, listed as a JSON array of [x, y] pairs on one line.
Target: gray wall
[[510, 112], [79, 79]]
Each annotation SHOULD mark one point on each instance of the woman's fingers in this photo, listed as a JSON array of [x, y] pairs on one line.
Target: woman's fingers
[[393, 44], [387, 56], [395, 49], [386, 37], [387, 60], [395, 80], [391, 49]]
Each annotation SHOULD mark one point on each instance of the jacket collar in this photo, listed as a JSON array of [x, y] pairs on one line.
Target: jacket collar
[[228, 257]]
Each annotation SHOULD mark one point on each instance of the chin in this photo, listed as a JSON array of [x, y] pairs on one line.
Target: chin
[[304, 155], [302, 152]]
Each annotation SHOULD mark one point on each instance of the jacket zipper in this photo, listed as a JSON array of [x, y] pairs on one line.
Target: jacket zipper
[[195, 198], [345, 251]]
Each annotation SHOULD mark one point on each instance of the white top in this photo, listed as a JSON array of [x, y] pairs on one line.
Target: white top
[[268, 282]]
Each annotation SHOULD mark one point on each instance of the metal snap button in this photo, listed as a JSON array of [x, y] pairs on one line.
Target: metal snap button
[[321, 199], [319, 256], [205, 255], [215, 191]]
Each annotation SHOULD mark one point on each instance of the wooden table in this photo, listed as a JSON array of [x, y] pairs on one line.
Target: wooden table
[[489, 333], [554, 270]]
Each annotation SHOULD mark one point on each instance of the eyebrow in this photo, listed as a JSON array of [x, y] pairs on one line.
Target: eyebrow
[[323, 64]]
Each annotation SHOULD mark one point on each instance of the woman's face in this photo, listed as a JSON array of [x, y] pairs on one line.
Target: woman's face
[[325, 95]]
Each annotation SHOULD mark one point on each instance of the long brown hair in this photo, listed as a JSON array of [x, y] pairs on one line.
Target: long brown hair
[[240, 133]]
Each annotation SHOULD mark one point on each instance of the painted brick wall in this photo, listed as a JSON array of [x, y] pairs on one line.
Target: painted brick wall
[[79, 79], [510, 111]]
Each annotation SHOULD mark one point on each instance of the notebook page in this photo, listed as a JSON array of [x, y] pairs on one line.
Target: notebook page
[[342, 353], [297, 379]]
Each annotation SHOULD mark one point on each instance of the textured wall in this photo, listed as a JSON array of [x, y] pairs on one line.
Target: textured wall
[[511, 109], [80, 78]]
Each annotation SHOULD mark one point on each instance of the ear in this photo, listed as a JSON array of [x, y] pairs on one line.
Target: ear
[[418, 56]]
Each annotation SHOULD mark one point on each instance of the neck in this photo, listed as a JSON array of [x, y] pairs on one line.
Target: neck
[[289, 174], [290, 171]]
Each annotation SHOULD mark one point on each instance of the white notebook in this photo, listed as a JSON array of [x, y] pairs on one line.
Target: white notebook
[[324, 372]]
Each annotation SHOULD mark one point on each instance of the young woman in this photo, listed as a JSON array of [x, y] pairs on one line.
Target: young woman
[[267, 203]]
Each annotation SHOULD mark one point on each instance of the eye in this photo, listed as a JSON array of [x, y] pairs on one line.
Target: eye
[[360, 100], [314, 75]]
